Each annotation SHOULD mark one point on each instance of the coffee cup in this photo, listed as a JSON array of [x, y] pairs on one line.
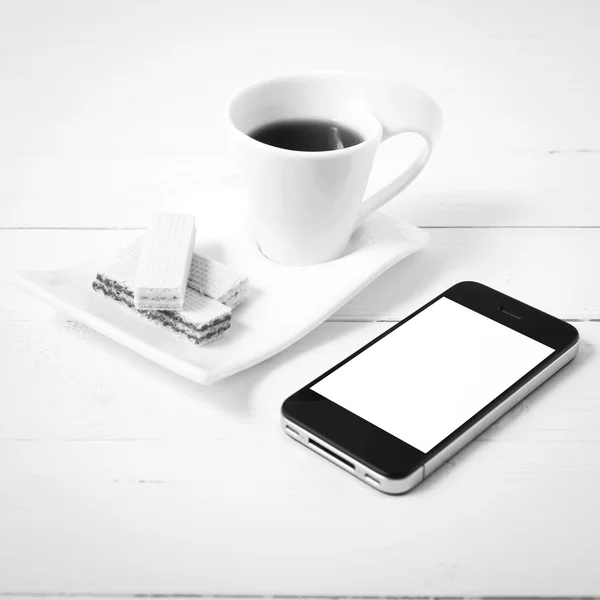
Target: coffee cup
[[305, 196]]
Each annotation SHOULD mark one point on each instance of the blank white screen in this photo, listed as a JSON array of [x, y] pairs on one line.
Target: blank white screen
[[433, 373]]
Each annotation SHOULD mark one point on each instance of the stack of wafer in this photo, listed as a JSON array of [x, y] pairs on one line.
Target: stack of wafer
[[161, 278]]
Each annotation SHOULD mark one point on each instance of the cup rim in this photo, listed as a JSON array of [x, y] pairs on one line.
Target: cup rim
[[298, 153]]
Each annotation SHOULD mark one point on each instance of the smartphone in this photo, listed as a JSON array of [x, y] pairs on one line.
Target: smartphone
[[397, 409]]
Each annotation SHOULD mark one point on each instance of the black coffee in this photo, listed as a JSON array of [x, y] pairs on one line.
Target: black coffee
[[307, 135]]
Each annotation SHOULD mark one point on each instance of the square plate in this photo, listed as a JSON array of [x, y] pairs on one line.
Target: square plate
[[284, 303]]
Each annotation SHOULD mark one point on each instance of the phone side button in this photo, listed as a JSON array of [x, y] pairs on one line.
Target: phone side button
[[291, 432], [372, 481]]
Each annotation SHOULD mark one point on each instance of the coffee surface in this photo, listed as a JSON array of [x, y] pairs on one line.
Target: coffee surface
[[307, 135]]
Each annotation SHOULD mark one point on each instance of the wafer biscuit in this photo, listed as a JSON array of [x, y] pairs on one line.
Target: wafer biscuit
[[201, 320], [164, 263], [217, 281], [212, 278]]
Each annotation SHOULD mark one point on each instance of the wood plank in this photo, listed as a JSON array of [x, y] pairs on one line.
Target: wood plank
[[518, 76], [481, 188], [549, 268], [131, 120], [120, 478], [116, 477]]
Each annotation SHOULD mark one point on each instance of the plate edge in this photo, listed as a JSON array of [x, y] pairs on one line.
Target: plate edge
[[23, 282]]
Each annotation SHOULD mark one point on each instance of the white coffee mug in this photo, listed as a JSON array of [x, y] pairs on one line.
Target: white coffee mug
[[305, 205]]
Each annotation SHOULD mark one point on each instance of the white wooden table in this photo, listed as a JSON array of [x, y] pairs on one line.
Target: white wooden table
[[118, 478]]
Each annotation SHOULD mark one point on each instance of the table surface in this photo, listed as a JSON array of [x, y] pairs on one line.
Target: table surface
[[118, 478]]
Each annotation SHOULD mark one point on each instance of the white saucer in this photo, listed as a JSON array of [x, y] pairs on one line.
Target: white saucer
[[283, 305]]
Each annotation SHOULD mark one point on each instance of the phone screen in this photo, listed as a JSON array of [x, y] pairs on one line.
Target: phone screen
[[433, 373]]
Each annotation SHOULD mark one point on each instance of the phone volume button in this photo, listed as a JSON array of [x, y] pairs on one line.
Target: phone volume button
[[291, 432], [371, 480]]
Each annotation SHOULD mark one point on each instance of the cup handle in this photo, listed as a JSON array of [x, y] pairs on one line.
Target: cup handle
[[401, 109]]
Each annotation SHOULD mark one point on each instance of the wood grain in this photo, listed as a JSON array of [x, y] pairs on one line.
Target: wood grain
[[116, 79], [112, 467], [118, 479], [476, 188], [544, 267], [105, 120]]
